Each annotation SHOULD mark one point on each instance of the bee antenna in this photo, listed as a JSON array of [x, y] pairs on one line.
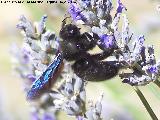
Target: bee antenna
[[64, 20]]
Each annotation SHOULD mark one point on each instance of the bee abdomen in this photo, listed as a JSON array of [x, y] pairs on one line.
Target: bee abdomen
[[91, 70]]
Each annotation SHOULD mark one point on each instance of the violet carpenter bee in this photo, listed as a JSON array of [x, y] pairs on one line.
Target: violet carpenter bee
[[74, 47]]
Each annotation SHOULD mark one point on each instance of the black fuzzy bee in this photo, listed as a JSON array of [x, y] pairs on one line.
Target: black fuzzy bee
[[75, 46], [74, 43]]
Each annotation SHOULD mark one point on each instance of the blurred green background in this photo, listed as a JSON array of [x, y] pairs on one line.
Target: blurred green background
[[144, 19]]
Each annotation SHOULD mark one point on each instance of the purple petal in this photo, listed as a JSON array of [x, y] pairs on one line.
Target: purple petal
[[152, 69], [80, 118], [76, 13], [141, 40], [34, 116], [150, 50], [86, 3], [48, 117], [31, 77], [26, 55], [120, 7], [107, 40]]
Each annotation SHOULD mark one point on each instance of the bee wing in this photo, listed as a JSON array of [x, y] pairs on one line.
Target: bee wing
[[43, 83]]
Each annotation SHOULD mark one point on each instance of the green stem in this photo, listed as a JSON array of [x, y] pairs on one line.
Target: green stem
[[157, 82], [145, 103]]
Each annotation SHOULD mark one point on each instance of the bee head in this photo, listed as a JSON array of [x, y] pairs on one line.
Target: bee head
[[69, 32]]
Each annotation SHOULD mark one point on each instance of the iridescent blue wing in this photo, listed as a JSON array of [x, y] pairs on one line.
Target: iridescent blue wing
[[44, 82]]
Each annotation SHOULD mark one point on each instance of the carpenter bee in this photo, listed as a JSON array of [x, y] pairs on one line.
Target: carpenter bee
[[74, 47]]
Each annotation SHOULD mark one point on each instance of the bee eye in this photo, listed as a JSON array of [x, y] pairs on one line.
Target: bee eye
[[71, 31]]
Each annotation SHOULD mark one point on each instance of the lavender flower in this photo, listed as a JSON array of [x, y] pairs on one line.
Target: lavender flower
[[94, 111], [91, 12], [39, 114], [40, 46], [69, 95], [129, 50], [22, 65], [75, 12], [26, 26], [48, 116]]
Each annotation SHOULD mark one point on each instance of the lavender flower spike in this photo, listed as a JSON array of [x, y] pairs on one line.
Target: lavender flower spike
[[26, 26], [70, 96], [76, 13]]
